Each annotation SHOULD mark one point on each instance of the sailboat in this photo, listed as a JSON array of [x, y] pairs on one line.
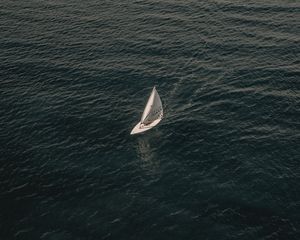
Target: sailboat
[[152, 115]]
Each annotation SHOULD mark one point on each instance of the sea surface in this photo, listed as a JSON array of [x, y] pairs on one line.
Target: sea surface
[[74, 79]]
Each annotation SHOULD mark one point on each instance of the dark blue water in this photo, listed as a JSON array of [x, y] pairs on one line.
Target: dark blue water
[[75, 77]]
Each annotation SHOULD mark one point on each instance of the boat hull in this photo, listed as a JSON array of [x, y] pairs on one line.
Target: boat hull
[[139, 128]]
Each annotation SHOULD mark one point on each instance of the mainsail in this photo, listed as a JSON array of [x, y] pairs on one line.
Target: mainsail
[[152, 114], [153, 109]]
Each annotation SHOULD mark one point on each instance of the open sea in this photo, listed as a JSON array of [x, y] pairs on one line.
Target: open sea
[[223, 164]]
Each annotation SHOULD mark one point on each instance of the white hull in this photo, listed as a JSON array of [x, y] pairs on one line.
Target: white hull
[[139, 128]]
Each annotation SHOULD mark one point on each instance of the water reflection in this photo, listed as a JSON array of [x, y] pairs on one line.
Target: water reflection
[[147, 152]]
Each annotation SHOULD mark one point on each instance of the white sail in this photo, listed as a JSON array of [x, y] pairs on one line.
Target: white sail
[[152, 115], [153, 109]]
